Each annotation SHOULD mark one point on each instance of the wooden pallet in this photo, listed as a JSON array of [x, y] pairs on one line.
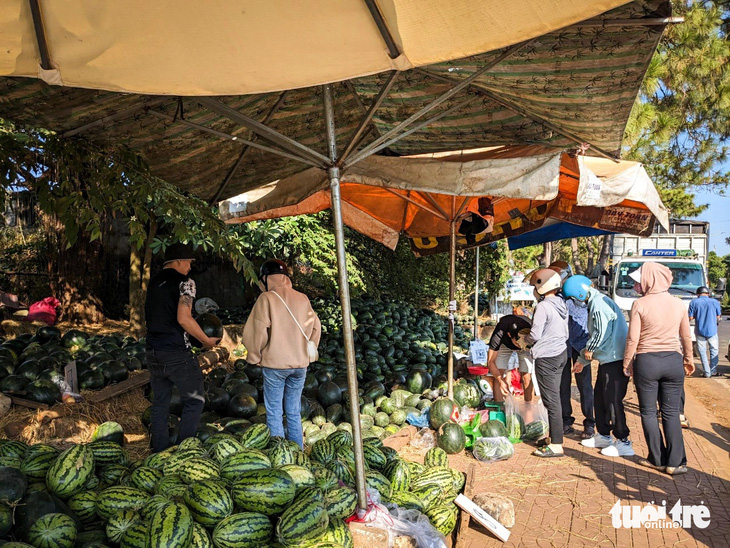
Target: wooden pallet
[[135, 381]]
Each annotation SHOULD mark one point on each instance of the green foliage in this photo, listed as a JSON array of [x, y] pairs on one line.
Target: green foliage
[[717, 267], [681, 121]]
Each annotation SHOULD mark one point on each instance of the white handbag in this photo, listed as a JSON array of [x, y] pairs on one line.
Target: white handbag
[[312, 351]]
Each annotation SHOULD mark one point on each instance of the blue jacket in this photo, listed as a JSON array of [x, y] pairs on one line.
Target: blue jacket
[[607, 328], [577, 325]]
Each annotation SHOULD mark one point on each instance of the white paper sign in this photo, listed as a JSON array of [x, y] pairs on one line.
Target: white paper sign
[[478, 351], [71, 376], [500, 531]]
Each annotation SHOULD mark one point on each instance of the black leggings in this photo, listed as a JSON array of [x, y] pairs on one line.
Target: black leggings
[[659, 378], [549, 371]]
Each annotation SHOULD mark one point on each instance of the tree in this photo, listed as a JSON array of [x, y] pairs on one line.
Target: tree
[[717, 268], [680, 122]]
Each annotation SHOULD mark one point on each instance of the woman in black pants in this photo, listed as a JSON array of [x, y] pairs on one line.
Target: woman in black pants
[[659, 354]]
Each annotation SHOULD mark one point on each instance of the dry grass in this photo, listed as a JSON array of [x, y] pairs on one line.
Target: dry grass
[[79, 422]]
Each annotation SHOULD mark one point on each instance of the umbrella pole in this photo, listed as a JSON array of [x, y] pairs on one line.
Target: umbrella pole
[[476, 300], [452, 308], [352, 391]]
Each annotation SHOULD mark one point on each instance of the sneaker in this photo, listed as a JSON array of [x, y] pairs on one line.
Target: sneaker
[[598, 441], [620, 448]]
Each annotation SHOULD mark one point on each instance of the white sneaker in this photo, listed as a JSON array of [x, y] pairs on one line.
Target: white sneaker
[[598, 441], [619, 449]]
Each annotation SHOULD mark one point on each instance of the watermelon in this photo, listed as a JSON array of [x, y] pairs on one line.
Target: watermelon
[[70, 472], [491, 449], [257, 436], [441, 411], [267, 492], [119, 523], [376, 480], [435, 457], [329, 393], [466, 394], [244, 461], [325, 478], [282, 453], [243, 530], [201, 538], [536, 430], [53, 531], [443, 517], [417, 381], [171, 526], [338, 534], [374, 457], [302, 521], [152, 504], [301, 475], [211, 325], [515, 426], [406, 499], [108, 452], [84, 506], [114, 371], [225, 448], [145, 478], [198, 469], [13, 484], [91, 380], [118, 498], [109, 431], [43, 391], [135, 536], [209, 502], [451, 438], [35, 467], [399, 475], [112, 474], [493, 429], [6, 519], [340, 502], [437, 475], [340, 438]]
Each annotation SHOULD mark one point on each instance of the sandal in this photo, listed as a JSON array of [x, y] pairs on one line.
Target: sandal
[[543, 442], [547, 453], [649, 464], [588, 433]]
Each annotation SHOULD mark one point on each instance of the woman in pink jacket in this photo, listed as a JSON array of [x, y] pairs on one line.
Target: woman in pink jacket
[[658, 355]]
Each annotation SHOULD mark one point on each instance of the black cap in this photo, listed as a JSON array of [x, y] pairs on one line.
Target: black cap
[[702, 289], [179, 252], [273, 266]]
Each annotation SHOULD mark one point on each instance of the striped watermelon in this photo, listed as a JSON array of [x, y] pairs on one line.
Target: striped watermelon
[[338, 533], [346, 454], [70, 472], [119, 523], [373, 457], [176, 460], [209, 502], [340, 502], [435, 457], [190, 443], [40, 448], [53, 531], [201, 538], [244, 461], [94, 538], [118, 498], [322, 451], [224, 448], [84, 506], [343, 471], [389, 453], [266, 492], [458, 479], [135, 536], [169, 482], [438, 475], [340, 438], [301, 459], [145, 478], [6, 519], [406, 499], [256, 436], [430, 496], [443, 517], [112, 474], [199, 469], [302, 476], [416, 468], [108, 452], [376, 480], [313, 493], [14, 449], [399, 475], [92, 484], [281, 453], [171, 526], [151, 505], [244, 530], [36, 465], [157, 460], [325, 478], [215, 438], [303, 521]]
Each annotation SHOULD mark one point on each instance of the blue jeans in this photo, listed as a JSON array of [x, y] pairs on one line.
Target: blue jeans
[[714, 343], [283, 394]]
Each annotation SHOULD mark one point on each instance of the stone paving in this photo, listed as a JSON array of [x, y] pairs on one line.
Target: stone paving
[[566, 502]]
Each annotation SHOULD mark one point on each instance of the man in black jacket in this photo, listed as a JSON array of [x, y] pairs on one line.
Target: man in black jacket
[[170, 361]]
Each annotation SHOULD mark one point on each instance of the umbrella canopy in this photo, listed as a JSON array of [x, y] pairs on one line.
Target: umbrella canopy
[[575, 83], [420, 197]]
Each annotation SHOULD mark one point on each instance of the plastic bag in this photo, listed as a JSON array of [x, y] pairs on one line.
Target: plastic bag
[[493, 449], [471, 429], [513, 419], [43, 311], [414, 524], [424, 439], [535, 416], [421, 420]]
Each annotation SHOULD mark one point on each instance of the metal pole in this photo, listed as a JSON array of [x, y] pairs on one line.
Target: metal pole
[[452, 306], [476, 300], [354, 399]]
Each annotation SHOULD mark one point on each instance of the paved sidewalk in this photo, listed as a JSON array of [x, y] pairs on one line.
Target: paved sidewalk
[[566, 502]]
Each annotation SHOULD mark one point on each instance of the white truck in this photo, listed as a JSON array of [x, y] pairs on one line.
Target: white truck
[[683, 249]]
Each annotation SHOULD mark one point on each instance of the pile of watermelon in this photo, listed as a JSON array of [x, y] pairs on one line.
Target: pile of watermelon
[[32, 365], [228, 491]]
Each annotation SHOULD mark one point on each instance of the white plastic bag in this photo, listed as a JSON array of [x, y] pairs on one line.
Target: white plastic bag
[[493, 449], [424, 439]]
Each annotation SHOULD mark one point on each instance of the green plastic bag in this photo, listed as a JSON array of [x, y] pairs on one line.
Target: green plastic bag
[[471, 429]]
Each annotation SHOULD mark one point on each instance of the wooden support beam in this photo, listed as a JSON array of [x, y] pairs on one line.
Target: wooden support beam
[[135, 381]]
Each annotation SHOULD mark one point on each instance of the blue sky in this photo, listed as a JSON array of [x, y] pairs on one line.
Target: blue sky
[[719, 216]]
